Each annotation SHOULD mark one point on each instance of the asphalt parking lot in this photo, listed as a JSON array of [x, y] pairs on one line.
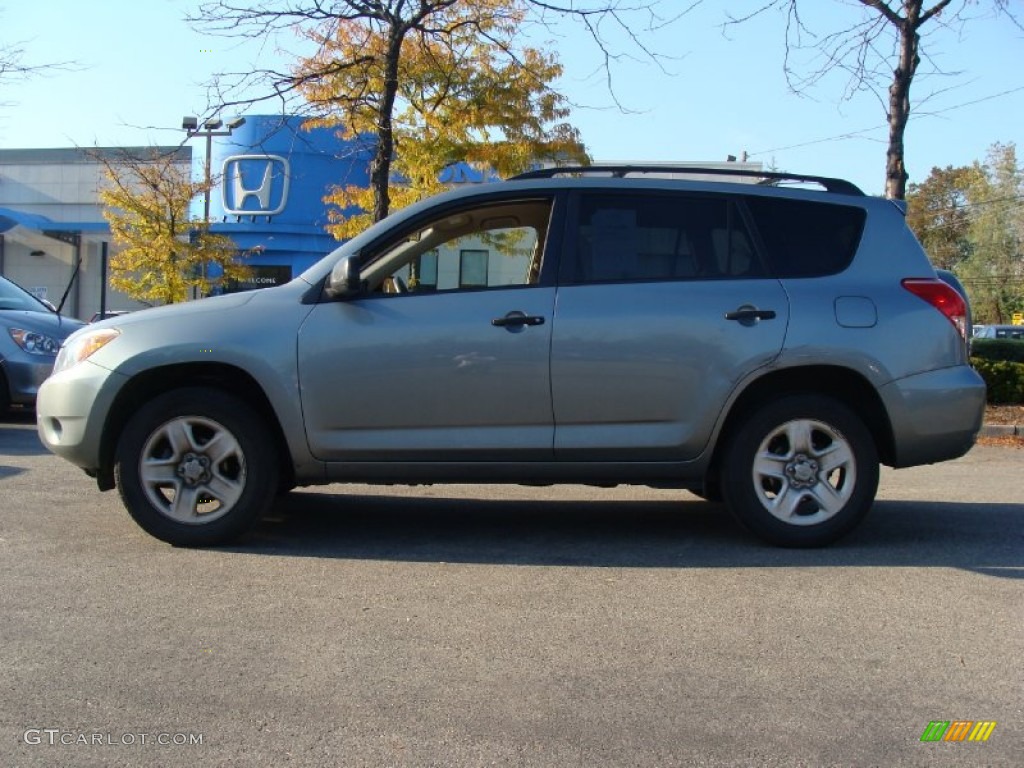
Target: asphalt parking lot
[[483, 625]]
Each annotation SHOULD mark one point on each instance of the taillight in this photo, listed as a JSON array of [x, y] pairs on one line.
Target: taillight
[[943, 297]]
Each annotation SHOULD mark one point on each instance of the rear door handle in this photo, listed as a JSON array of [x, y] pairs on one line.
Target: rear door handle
[[517, 319], [750, 313]]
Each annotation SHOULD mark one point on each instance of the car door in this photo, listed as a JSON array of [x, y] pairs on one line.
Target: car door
[[663, 307], [446, 356]]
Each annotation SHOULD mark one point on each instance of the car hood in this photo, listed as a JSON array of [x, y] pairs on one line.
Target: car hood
[[49, 323], [171, 312], [241, 329]]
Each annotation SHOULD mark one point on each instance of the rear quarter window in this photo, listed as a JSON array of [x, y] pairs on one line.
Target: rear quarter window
[[804, 238]]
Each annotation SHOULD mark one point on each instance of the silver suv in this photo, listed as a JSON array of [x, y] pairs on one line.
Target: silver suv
[[765, 345]]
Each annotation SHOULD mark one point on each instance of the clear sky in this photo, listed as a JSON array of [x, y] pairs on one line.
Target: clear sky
[[139, 68]]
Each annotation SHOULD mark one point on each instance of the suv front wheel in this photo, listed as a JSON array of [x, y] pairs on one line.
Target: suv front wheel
[[801, 472], [195, 467]]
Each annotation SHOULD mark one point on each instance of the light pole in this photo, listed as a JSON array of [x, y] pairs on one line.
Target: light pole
[[210, 129]]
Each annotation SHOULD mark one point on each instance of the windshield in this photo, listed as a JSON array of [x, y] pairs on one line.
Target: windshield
[[15, 297]]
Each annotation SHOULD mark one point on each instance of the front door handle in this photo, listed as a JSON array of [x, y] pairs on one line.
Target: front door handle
[[517, 319], [749, 314]]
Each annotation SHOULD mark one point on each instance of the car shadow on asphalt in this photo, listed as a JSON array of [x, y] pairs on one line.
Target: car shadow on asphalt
[[6, 471], [18, 434], [982, 537], [17, 415]]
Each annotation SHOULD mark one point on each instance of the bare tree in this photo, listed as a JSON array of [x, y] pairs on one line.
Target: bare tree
[[12, 64], [14, 67], [432, 24], [883, 49]]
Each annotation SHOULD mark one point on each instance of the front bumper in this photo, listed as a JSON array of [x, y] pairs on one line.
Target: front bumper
[[72, 409], [25, 374], [936, 415]]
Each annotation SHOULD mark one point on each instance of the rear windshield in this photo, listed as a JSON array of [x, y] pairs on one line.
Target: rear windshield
[[807, 239]]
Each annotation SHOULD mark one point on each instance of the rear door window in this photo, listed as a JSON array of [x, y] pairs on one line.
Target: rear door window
[[659, 237]]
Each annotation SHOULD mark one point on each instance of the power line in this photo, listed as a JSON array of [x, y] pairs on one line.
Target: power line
[[993, 279], [913, 116], [848, 135], [1017, 199]]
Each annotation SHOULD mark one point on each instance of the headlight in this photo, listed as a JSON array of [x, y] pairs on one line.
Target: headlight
[[34, 343], [82, 346]]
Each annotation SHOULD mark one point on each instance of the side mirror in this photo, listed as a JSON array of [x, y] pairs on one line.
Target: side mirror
[[344, 279]]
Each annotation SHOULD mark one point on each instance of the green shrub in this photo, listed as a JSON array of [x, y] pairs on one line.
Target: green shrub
[[1005, 380], [998, 349]]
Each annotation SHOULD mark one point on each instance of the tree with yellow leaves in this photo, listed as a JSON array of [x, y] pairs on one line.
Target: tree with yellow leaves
[[454, 89], [164, 253], [429, 82]]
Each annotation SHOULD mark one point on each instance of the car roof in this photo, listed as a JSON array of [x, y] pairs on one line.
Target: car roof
[[680, 172]]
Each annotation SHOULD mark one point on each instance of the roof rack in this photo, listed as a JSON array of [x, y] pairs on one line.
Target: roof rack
[[838, 186]]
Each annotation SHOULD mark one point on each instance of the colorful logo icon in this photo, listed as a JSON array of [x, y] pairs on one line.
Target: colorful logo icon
[[958, 730]]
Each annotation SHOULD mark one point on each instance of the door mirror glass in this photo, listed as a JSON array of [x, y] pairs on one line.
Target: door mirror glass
[[344, 279]]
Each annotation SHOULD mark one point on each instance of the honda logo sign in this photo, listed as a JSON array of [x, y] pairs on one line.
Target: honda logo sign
[[255, 185]]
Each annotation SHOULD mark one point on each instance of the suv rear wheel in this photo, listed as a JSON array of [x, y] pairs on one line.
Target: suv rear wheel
[[196, 467], [801, 472]]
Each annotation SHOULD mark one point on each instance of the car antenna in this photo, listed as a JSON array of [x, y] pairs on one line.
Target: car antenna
[[74, 274]]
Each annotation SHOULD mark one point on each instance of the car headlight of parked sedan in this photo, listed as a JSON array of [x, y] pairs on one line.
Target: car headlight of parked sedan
[[33, 342]]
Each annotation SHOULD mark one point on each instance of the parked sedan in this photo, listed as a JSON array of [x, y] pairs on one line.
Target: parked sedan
[[30, 336], [1000, 332]]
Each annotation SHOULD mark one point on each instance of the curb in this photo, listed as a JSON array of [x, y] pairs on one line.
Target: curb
[[1001, 430]]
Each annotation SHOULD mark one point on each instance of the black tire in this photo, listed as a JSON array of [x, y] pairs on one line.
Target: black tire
[[196, 467], [711, 491], [801, 472], [5, 395]]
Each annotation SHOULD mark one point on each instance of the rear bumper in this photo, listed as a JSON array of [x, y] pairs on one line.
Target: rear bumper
[[936, 415]]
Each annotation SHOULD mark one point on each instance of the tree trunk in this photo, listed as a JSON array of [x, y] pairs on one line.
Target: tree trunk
[[380, 167], [899, 103]]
